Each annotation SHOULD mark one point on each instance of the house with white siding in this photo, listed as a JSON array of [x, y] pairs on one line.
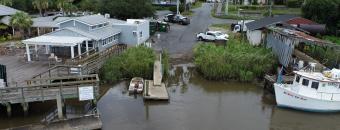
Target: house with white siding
[[75, 36]]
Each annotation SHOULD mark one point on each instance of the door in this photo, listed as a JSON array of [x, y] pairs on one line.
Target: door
[[210, 36]]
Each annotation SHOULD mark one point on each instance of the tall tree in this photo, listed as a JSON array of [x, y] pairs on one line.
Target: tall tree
[[21, 21], [323, 11], [124, 9], [40, 5], [69, 8], [6, 2], [88, 5], [62, 3]]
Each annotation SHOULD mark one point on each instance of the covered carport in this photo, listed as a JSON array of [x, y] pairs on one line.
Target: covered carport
[[57, 41]]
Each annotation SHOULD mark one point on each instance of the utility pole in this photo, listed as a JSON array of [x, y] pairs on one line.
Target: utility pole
[[177, 7]]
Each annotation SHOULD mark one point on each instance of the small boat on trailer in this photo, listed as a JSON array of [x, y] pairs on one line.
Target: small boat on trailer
[[136, 85], [311, 91]]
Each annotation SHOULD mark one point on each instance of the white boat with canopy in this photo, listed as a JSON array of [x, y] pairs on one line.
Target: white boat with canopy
[[311, 91]]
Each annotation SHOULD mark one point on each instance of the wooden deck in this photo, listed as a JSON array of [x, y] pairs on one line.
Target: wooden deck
[[304, 57], [18, 70], [271, 79], [47, 89]]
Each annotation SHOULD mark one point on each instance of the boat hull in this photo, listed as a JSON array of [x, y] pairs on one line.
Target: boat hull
[[290, 99]]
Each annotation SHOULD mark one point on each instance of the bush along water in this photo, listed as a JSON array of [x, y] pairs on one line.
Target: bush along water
[[237, 61], [134, 62]]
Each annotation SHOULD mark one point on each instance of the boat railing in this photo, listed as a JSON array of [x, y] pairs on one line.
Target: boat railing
[[323, 94]]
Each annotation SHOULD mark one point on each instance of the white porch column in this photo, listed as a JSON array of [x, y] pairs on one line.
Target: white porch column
[[47, 47], [28, 53], [72, 52], [79, 50], [87, 47], [36, 50], [38, 31]]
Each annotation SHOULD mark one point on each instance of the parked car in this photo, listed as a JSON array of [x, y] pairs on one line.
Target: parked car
[[212, 36], [176, 18]]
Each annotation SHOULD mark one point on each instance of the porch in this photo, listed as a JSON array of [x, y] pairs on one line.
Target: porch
[[60, 48]]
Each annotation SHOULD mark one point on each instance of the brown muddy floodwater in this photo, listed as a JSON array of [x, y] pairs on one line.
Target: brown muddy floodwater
[[195, 104], [198, 104]]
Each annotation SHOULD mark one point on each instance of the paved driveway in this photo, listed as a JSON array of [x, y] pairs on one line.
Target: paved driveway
[[180, 40]]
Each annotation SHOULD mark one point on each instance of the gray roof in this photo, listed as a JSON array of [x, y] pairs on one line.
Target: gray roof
[[5, 10], [116, 21], [6, 20], [97, 34], [268, 21], [45, 22], [92, 19]]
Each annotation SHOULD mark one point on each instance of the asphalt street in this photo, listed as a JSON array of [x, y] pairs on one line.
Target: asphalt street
[[181, 39]]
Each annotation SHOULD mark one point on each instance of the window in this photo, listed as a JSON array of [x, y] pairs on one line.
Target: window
[[315, 85], [93, 27], [297, 78], [305, 82], [141, 34], [210, 34]]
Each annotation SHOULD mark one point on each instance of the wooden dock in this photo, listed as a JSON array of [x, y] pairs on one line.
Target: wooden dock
[[305, 57], [271, 79]]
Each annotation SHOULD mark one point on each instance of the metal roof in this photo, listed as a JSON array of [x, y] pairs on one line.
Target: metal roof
[[268, 21], [5, 10], [97, 34], [92, 19], [55, 40], [6, 20], [45, 21]]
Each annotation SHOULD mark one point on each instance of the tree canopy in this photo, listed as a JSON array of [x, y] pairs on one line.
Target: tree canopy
[[21, 21], [40, 5], [124, 9], [323, 11]]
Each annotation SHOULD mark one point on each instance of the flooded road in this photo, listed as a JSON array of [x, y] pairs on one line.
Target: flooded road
[[198, 104]]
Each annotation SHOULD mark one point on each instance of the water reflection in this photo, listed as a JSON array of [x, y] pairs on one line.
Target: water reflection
[[195, 103]]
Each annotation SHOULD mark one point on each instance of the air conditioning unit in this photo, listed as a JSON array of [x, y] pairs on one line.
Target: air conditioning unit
[[107, 16]]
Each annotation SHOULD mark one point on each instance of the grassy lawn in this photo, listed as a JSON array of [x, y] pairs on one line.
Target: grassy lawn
[[295, 11], [223, 26], [161, 8], [333, 39], [197, 4], [188, 13]]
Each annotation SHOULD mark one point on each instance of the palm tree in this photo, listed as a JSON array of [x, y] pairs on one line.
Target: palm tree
[[69, 8], [21, 21], [6, 2], [62, 3], [40, 5]]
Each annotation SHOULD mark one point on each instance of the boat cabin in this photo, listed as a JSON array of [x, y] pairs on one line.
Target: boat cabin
[[319, 85]]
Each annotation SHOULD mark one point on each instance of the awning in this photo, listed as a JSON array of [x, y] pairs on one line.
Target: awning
[[55, 40]]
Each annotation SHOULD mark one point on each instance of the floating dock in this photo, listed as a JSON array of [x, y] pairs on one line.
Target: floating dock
[[155, 89], [155, 92]]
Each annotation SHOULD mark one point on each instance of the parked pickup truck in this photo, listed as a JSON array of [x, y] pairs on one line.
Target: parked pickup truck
[[212, 36]]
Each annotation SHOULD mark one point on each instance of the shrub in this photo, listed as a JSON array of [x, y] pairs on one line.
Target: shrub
[[239, 61], [294, 3], [174, 8], [134, 62]]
